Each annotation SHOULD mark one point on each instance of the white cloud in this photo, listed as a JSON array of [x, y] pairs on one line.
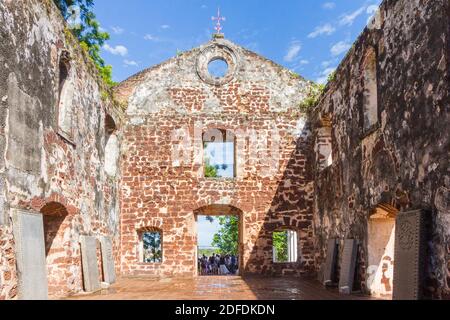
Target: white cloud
[[293, 51], [329, 5], [324, 74], [117, 30], [326, 64], [299, 65], [348, 19], [130, 63], [117, 50], [165, 26], [150, 37], [204, 6], [371, 11], [327, 29], [340, 47]]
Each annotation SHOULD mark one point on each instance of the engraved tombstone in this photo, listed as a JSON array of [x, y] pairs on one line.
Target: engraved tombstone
[[410, 254], [109, 271], [347, 274], [330, 263], [29, 239], [89, 263]]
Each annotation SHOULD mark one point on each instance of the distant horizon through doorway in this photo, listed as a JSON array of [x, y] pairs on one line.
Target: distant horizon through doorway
[[218, 245]]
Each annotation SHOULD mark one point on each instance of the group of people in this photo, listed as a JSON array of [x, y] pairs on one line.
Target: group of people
[[218, 265]]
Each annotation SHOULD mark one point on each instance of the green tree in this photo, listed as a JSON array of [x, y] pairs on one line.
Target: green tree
[[227, 238], [152, 247], [210, 170], [280, 245], [89, 34]]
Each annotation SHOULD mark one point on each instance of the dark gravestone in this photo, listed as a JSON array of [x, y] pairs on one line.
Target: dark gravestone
[[348, 265], [30, 254], [89, 263], [330, 263], [410, 255]]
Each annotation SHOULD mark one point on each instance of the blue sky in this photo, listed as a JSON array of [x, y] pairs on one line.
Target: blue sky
[[306, 36], [206, 230]]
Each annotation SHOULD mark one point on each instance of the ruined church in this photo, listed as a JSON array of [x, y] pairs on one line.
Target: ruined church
[[360, 180]]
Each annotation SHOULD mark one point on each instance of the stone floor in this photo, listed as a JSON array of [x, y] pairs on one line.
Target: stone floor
[[217, 288]]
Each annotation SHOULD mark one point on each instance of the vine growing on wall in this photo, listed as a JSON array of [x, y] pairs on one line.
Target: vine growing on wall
[[85, 27], [315, 93]]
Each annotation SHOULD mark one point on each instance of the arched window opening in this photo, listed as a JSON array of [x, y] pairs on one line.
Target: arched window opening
[[370, 97], [285, 247], [219, 156], [380, 251], [57, 243], [324, 147], [65, 101], [112, 146], [151, 250]]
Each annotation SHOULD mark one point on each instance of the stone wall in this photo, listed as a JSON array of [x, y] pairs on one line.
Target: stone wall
[[171, 106], [44, 168], [378, 143], [388, 112]]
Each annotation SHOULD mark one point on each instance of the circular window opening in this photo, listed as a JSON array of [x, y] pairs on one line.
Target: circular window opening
[[218, 68]]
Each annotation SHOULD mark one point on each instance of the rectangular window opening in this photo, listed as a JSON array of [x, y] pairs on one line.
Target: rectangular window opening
[[285, 249]]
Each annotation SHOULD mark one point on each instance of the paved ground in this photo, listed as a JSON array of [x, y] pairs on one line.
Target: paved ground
[[217, 288]]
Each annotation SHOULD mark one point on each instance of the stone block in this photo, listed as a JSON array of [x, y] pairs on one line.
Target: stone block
[[329, 276], [29, 239], [109, 271], [348, 265], [410, 255], [24, 127], [90, 263]]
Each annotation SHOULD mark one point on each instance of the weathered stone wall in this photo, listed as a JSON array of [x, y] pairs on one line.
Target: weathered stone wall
[[41, 169], [179, 95], [403, 159]]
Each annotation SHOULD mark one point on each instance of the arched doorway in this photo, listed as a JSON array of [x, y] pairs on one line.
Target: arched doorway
[[380, 251], [216, 210], [58, 250]]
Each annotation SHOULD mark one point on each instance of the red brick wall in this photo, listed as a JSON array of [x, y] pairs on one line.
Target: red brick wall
[[155, 193]]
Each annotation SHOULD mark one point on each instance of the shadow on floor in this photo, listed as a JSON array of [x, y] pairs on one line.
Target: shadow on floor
[[217, 288]]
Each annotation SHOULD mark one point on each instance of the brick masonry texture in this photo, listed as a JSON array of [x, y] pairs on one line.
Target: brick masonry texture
[[261, 95]]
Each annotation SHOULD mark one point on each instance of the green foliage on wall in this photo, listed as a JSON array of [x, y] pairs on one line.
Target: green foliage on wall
[[88, 33], [312, 98]]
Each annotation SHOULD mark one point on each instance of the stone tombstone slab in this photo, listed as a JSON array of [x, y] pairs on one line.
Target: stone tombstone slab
[[89, 263], [109, 270], [410, 255], [24, 143], [28, 228], [330, 263], [348, 266]]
